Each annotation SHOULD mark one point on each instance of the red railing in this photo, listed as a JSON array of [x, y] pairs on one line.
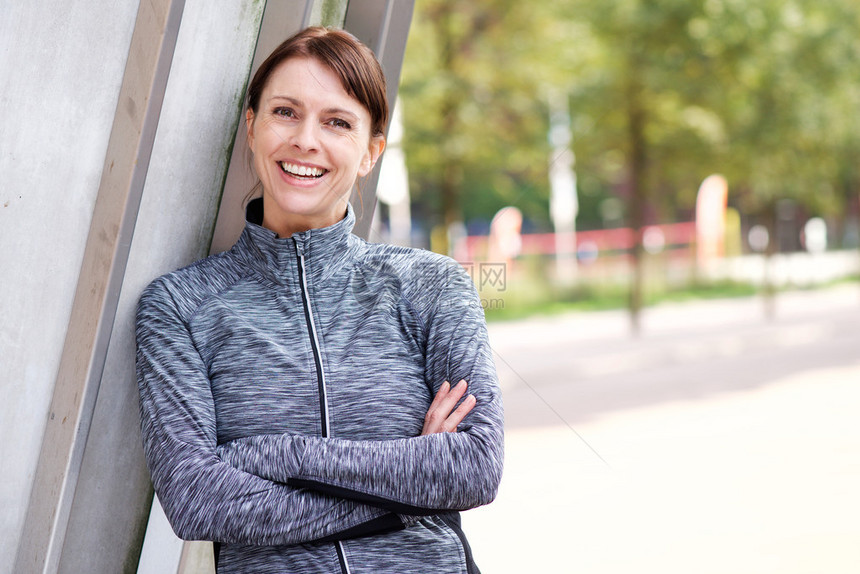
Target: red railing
[[619, 241]]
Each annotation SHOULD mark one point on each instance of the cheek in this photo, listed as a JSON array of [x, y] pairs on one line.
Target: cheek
[[350, 154], [262, 167], [267, 136]]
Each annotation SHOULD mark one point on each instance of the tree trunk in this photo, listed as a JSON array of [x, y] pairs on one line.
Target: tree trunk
[[450, 177], [768, 287], [637, 166]]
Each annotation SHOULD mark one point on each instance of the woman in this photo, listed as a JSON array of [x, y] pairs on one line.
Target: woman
[[294, 397]]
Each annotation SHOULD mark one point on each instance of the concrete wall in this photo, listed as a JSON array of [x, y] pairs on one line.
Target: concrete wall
[[198, 120], [62, 67], [83, 84]]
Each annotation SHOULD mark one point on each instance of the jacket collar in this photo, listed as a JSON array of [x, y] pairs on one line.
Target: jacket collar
[[325, 250]]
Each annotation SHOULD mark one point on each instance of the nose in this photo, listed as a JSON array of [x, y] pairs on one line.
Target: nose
[[305, 136]]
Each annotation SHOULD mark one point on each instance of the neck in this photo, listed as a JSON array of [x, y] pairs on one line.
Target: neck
[[285, 228], [286, 224]]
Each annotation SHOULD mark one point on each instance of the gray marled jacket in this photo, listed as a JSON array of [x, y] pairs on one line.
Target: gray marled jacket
[[283, 386]]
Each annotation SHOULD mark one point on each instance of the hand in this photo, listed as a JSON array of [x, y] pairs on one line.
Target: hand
[[439, 417]]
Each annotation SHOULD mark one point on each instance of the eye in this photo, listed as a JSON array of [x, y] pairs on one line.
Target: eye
[[284, 112], [339, 123]]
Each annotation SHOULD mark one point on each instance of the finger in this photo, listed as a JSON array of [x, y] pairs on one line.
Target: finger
[[440, 395], [444, 401], [436, 419], [454, 420], [441, 407], [450, 400]]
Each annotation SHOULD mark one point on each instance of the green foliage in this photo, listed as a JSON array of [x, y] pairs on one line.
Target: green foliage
[[764, 91], [473, 91]]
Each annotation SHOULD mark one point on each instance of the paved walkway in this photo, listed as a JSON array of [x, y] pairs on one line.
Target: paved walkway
[[716, 442]]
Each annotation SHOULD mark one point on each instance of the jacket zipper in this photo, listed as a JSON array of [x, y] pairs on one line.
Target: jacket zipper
[[321, 383]]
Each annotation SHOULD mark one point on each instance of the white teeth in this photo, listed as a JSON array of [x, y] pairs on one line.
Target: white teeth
[[301, 170]]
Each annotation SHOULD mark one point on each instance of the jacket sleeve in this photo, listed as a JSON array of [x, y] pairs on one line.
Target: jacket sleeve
[[204, 498], [419, 475]]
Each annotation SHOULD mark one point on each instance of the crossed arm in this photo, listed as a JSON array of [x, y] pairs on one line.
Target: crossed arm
[[203, 497], [423, 475], [286, 489]]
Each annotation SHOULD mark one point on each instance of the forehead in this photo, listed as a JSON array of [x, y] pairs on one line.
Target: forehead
[[309, 81]]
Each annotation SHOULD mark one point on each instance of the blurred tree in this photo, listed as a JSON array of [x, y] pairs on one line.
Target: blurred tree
[[787, 71], [662, 92], [788, 103], [473, 92], [649, 136], [762, 91]]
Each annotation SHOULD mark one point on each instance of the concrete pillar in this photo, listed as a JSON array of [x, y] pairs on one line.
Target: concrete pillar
[[62, 71], [89, 505], [199, 116], [118, 137]]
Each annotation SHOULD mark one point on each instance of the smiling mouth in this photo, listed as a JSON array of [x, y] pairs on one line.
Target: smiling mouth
[[302, 171]]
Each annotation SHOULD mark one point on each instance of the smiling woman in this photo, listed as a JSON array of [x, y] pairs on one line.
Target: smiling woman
[[294, 395], [311, 140]]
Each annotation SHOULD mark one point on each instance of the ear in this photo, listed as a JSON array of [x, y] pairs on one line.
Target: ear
[[249, 126], [374, 150]]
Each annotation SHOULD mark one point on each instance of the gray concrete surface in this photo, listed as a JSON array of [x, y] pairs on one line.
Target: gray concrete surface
[[62, 69], [716, 442]]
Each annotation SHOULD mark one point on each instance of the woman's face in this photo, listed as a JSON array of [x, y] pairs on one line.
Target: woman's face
[[311, 141]]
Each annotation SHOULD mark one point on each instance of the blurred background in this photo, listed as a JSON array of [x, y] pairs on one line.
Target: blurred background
[[659, 202], [594, 126]]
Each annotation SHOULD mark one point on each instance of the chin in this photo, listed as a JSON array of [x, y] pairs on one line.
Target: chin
[[309, 208]]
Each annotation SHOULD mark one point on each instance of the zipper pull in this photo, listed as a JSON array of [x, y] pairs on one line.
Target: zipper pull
[[300, 250]]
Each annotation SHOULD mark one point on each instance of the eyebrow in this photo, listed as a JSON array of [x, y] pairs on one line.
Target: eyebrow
[[327, 111]]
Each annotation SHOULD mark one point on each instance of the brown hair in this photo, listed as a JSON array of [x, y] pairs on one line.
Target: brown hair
[[349, 59]]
